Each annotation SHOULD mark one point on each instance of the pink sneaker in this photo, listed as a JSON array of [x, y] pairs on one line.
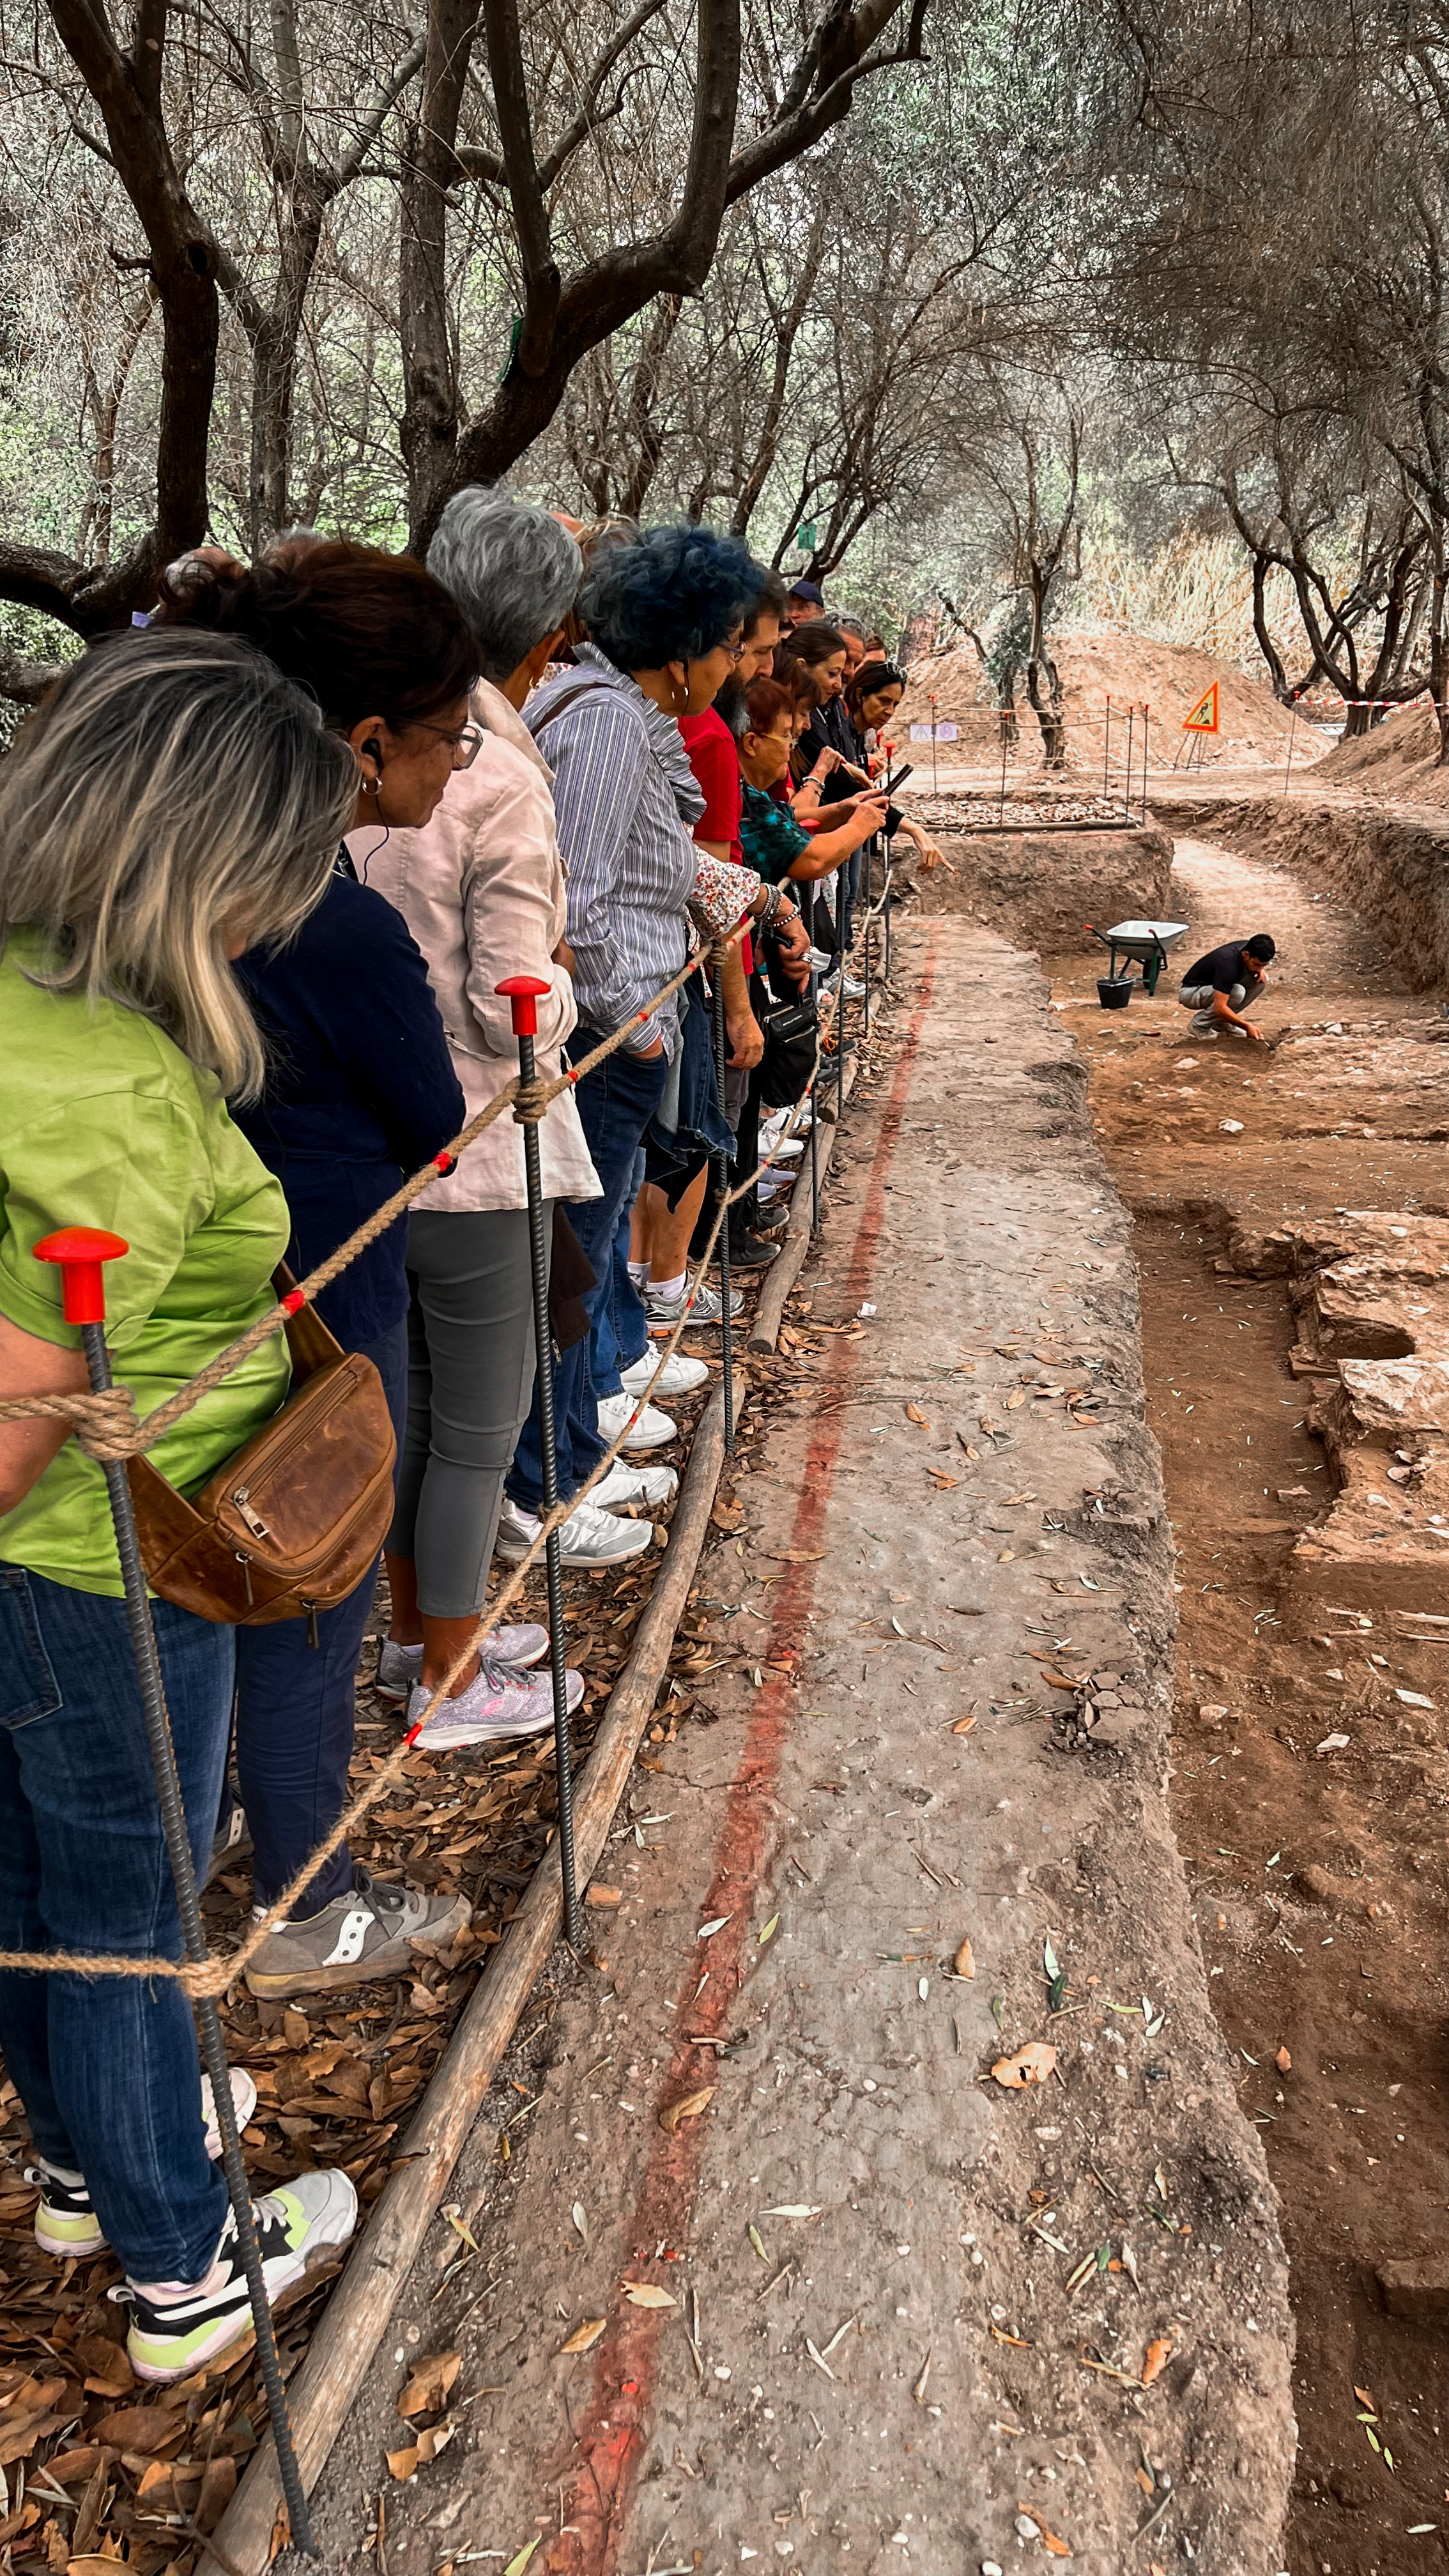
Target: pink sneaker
[[500, 1702], [398, 1667]]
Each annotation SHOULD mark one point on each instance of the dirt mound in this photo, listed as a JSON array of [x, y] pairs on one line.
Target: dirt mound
[[1133, 670], [1399, 758]]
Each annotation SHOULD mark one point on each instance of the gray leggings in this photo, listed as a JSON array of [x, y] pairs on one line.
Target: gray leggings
[[470, 1384]]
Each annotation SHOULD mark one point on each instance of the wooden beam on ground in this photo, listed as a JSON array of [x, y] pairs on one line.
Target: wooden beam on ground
[[357, 2314], [782, 1274]]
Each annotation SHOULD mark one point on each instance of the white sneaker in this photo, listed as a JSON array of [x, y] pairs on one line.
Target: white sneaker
[[588, 1537], [653, 1430], [789, 1152], [634, 1485], [678, 1375]]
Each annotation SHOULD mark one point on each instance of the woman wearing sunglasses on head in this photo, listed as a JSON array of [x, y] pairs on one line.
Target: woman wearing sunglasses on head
[[360, 1090]]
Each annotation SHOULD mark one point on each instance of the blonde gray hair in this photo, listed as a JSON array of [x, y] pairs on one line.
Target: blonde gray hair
[[173, 795]]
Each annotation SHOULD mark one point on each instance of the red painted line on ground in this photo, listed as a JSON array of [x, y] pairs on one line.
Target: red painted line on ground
[[611, 2437]]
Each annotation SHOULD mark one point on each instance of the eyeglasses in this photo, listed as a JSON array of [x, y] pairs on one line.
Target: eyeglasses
[[467, 742]]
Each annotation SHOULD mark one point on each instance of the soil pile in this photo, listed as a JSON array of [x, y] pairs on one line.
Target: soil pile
[[1133, 670], [1399, 758]]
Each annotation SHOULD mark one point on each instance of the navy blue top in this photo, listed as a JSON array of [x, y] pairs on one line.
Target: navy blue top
[[360, 1091]]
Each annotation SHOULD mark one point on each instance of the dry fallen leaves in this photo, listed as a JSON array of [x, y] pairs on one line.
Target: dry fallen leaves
[[943, 1484], [1283, 2062], [914, 1414], [643, 2294], [584, 2334], [964, 1963], [429, 2384], [963, 1725], [1159, 2354], [1054, 2547], [689, 2108], [1031, 2065]]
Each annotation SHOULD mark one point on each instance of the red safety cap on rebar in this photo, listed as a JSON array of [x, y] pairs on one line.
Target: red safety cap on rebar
[[522, 993], [78, 1252]]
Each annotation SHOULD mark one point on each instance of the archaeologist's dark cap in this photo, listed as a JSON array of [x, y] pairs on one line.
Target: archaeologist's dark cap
[[1262, 946], [808, 590]]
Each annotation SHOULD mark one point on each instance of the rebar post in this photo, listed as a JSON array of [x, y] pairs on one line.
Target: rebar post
[[522, 992], [1107, 749], [814, 1099], [1288, 763], [722, 1183], [79, 1254], [1127, 800]]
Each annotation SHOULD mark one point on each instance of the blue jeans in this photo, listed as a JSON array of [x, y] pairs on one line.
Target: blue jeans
[[621, 1328], [616, 1103], [295, 1710], [107, 2068]]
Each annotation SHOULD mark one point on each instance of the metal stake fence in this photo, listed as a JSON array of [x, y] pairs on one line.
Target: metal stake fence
[[814, 1106], [1107, 750], [842, 917], [1006, 714], [522, 993], [1288, 763], [1146, 711], [722, 1183], [1127, 801], [79, 1252], [869, 873]]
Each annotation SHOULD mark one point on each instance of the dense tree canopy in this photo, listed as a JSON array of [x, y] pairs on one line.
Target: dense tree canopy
[[937, 296]]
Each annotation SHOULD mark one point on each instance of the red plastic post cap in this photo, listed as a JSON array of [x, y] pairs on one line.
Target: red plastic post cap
[[523, 992], [78, 1251]]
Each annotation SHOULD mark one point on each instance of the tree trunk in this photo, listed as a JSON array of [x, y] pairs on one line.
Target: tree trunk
[[429, 430], [274, 362]]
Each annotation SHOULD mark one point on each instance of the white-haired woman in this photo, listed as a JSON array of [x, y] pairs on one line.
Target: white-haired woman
[[482, 890], [174, 802]]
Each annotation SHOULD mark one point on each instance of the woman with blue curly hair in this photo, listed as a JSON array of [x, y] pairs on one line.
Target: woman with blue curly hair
[[662, 613]]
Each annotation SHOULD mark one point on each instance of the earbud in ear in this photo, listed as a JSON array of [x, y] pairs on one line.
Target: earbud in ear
[[373, 749]]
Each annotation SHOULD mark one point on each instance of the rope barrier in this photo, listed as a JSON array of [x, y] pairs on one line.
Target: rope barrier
[[212, 1980]]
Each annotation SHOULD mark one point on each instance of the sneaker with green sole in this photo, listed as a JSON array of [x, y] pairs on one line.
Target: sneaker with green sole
[[176, 2326], [65, 2222]]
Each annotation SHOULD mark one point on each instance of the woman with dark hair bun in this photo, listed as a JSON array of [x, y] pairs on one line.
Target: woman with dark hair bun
[[361, 1089]]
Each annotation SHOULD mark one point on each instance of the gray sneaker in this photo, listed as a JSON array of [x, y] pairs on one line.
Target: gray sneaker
[[400, 1667], [663, 1313], [371, 1930]]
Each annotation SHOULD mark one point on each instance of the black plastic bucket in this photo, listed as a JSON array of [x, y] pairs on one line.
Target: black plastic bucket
[[1114, 992]]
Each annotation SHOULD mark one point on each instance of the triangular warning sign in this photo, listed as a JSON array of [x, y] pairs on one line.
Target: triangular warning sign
[[1204, 717]]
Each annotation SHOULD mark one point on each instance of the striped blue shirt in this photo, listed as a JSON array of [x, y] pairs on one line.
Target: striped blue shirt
[[625, 798]]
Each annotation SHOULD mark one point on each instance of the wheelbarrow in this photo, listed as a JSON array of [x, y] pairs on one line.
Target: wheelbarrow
[[1144, 943]]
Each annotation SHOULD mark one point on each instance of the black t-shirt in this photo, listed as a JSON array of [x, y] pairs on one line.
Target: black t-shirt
[[1224, 967]]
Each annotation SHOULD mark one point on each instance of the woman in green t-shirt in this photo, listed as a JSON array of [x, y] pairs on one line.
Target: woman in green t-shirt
[[174, 802]]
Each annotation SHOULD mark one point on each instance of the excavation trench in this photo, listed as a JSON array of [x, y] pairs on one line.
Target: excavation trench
[[1311, 1591]]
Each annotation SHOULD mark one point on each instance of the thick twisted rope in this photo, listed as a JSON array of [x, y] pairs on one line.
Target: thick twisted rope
[[213, 1976]]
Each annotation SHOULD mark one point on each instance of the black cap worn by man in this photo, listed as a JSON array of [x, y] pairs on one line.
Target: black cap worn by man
[[1219, 987], [806, 601]]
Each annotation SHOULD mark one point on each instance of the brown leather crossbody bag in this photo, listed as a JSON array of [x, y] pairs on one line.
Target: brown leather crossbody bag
[[291, 1524]]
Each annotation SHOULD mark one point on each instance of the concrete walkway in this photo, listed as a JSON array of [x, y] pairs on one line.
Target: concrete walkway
[[909, 2312]]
